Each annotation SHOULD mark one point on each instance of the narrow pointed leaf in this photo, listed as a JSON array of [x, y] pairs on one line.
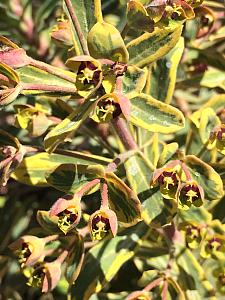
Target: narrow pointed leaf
[[68, 126], [75, 260]]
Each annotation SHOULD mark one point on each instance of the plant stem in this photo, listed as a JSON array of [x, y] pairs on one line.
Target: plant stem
[[152, 284], [87, 187], [104, 195], [50, 238], [124, 134], [186, 172], [121, 158], [76, 24], [98, 11], [62, 256], [53, 70], [48, 88], [125, 31], [165, 290]]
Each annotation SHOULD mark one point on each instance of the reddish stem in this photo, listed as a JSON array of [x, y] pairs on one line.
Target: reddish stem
[[104, 195], [62, 256], [152, 284], [48, 88], [50, 238], [76, 24], [87, 187], [186, 172], [52, 70], [165, 290], [124, 134]]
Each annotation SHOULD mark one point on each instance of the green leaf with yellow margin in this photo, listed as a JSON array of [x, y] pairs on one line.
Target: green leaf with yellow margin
[[75, 259], [206, 177], [104, 260], [48, 223], [34, 75], [167, 153], [152, 46], [208, 122], [156, 211], [68, 126], [71, 178], [123, 201], [163, 73], [154, 115], [32, 169], [105, 41], [133, 81], [191, 273]]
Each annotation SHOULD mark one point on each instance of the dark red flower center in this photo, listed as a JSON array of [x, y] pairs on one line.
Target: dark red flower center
[[169, 179], [220, 134], [89, 72], [100, 221], [190, 192]]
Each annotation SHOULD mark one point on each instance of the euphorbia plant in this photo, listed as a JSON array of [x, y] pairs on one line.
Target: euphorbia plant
[[112, 133]]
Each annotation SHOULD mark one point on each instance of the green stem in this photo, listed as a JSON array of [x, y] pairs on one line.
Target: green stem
[[98, 11], [77, 27], [202, 151]]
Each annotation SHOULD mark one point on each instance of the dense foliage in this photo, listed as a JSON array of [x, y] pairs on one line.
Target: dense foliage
[[112, 144]]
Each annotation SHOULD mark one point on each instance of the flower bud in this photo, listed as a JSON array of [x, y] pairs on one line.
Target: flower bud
[[103, 222], [45, 276], [190, 193], [61, 33], [29, 249], [68, 211]]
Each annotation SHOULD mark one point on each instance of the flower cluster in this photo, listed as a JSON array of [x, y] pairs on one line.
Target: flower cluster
[[208, 237], [31, 253], [175, 182]]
